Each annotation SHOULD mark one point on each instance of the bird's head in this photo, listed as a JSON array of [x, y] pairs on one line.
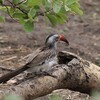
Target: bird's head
[[52, 39]]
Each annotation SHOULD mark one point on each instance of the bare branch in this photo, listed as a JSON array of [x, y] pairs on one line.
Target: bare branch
[[21, 2]]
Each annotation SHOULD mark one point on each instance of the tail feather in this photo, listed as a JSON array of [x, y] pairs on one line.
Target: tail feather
[[8, 76]]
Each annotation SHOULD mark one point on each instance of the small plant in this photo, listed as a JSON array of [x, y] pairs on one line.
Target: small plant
[[13, 97], [96, 95], [27, 12], [55, 97]]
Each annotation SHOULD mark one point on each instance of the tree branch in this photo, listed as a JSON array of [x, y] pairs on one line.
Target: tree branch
[[16, 6], [22, 10], [21, 2]]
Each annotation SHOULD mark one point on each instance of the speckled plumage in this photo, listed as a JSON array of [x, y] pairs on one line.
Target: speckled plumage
[[41, 59]]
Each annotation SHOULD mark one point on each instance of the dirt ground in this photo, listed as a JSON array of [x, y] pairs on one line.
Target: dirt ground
[[82, 32]]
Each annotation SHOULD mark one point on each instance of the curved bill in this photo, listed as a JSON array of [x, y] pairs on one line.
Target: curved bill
[[62, 38]]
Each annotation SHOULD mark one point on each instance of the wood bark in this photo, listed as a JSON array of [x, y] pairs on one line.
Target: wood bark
[[72, 72], [66, 94]]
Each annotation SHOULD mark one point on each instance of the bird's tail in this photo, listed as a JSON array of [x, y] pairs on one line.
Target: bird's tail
[[10, 75]]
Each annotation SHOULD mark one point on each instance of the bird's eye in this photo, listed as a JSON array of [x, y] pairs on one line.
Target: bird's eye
[[57, 38]]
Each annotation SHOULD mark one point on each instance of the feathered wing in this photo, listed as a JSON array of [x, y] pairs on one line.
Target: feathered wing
[[34, 59], [28, 58], [26, 66]]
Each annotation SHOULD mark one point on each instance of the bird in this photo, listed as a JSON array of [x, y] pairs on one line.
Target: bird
[[42, 56]]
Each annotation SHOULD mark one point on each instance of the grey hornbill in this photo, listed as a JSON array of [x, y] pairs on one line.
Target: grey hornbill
[[41, 56]]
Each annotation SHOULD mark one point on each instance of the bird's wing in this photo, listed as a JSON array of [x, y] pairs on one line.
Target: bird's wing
[[32, 55], [28, 58], [33, 59], [39, 58]]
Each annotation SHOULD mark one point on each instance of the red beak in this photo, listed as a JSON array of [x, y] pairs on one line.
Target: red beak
[[62, 38]]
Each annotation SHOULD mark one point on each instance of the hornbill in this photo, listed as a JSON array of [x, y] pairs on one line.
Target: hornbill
[[45, 55]]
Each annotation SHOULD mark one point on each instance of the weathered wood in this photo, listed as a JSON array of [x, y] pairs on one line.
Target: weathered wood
[[66, 94], [72, 73]]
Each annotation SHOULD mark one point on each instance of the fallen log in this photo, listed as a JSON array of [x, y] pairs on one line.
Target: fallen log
[[72, 73]]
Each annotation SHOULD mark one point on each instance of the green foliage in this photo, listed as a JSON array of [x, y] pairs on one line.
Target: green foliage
[[31, 13], [96, 95], [55, 97], [75, 7], [28, 26], [15, 1], [2, 19], [32, 3], [18, 15], [1, 1], [53, 19], [28, 11], [13, 97], [56, 6]]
